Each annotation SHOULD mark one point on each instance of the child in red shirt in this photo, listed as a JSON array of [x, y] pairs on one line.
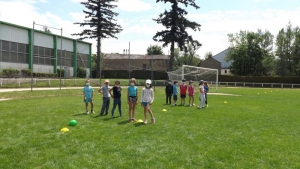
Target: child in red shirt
[[183, 89]]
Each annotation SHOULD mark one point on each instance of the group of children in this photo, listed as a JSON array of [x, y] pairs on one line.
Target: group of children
[[184, 90], [147, 98]]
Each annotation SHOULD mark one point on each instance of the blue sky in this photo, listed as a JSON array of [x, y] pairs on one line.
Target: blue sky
[[217, 17]]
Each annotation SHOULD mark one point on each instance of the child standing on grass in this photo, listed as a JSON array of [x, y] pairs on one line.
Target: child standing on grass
[[175, 92], [183, 89], [191, 93], [132, 98], [88, 96], [206, 89], [169, 92], [201, 95], [117, 97], [106, 97], [147, 100]]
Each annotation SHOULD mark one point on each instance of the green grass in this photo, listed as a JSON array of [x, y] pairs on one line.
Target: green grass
[[249, 131]]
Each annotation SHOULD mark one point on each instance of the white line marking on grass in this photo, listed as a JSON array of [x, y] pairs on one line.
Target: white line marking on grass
[[223, 94], [5, 99]]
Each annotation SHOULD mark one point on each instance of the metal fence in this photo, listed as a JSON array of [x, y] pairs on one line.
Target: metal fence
[[40, 82]]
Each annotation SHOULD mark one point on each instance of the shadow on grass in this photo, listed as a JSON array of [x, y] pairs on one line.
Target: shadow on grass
[[80, 114], [124, 122], [139, 124]]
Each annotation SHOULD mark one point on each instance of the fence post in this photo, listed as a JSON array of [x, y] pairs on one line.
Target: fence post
[[75, 82], [63, 82], [49, 83], [281, 85], [19, 82], [272, 85], [35, 82], [235, 84], [292, 86], [244, 84], [262, 85], [1, 82]]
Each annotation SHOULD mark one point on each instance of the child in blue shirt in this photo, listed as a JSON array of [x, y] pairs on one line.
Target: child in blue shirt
[[88, 96], [206, 89], [132, 98]]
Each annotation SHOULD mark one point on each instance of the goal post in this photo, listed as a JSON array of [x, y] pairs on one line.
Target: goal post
[[195, 74]]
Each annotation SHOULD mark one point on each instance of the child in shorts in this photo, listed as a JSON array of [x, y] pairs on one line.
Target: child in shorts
[[183, 89], [191, 93], [132, 99], [147, 100], [88, 96]]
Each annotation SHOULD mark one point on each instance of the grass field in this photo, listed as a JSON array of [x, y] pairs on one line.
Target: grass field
[[258, 129]]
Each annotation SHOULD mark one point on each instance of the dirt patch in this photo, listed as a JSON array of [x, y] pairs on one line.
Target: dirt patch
[[223, 94]]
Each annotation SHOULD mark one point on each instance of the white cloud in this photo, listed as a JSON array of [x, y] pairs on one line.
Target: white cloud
[[133, 5], [43, 1]]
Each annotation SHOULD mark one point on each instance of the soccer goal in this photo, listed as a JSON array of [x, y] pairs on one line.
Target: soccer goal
[[195, 74]]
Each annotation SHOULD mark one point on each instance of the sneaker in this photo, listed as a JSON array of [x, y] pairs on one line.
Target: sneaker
[[153, 120], [93, 112], [207, 105], [87, 112], [190, 105], [145, 122], [193, 104], [199, 107]]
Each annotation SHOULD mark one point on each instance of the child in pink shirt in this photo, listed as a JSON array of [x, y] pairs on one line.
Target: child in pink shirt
[[191, 92]]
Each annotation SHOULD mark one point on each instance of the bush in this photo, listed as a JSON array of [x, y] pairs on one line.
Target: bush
[[26, 72], [10, 72], [62, 72], [0, 74], [81, 72]]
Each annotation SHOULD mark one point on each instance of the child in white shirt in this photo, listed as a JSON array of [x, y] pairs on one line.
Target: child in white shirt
[[147, 100]]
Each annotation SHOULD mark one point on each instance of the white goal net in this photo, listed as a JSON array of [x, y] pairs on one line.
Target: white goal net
[[195, 74]]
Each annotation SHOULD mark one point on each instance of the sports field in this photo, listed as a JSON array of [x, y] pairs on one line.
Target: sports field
[[250, 128]]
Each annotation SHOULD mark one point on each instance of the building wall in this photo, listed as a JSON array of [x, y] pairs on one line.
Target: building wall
[[225, 72], [15, 50], [211, 63], [136, 64]]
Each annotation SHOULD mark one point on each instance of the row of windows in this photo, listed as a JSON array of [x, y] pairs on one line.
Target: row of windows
[[18, 53]]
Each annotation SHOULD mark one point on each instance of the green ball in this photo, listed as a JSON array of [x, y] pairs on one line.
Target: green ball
[[73, 123]]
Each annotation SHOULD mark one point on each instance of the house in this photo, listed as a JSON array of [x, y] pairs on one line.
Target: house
[[218, 62], [136, 62]]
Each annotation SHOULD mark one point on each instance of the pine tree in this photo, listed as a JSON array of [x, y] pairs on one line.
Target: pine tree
[[176, 23], [100, 19]]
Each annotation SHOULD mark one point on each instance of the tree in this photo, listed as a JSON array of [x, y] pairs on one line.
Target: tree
[[208, 55], [101, 22], [176, 23], [281, 64], [296, 52], [248, 50], [154, 50]]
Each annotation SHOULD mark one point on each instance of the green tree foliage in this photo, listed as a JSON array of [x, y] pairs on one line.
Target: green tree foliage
[[296, 52], [248, 50], [81, 72], [175, 22], [154, 50], [208, 55], [288, 51], [100, 19], [183, 58]]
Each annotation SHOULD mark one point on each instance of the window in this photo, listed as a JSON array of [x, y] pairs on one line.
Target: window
[[225, 71], [13, 52], [144, 66]]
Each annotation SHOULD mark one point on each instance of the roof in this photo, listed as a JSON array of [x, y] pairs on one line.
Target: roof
[[220, 57], [43, 32], [136, 56]]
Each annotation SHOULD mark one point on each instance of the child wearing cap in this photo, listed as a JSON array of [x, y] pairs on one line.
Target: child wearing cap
[[106, 97], [132, 98], [191, 92], [88, 96], [117, 97], [147, 100]]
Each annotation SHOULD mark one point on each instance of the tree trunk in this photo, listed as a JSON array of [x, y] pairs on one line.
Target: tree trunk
[[171, 57], [98, 70]]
